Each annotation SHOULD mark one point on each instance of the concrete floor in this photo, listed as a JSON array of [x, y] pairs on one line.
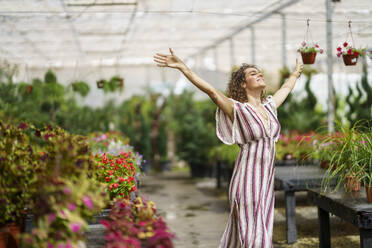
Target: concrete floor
[[197, 213]]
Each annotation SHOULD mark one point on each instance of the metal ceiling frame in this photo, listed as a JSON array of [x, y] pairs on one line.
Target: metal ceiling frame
[[246, 25]]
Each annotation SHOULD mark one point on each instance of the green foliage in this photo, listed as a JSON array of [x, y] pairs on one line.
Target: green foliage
[[349, 152], [115, 83], [50, 77], [81, 87], [303, 115], [360, 105], [224, 153], [194, 128]]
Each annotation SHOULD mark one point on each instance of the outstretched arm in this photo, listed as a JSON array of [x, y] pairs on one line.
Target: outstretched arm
[[222, 101], [282, 94]]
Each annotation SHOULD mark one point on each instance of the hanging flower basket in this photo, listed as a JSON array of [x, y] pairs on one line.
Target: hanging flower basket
[[308, 52], [100, 83], [349, 53]]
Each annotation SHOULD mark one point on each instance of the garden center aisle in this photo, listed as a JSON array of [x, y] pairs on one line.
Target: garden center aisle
[[197, 213], [193, 209]]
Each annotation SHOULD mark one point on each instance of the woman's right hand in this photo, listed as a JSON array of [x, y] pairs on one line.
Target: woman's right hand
[[172, 60]]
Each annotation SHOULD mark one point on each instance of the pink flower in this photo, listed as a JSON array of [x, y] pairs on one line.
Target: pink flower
[[345, 44], [303, 43], [88, 202], [22, 126], [51, 217], [71, 207], [321, 51], [298, 50], [50, 245], [67, 190], [63, 214], [75, 227], [339, 54], [316, 45]]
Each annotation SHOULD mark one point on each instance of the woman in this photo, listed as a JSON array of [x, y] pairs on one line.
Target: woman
[[248, 119]]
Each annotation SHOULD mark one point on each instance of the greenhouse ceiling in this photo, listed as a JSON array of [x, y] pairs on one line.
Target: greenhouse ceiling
[[63, 33]]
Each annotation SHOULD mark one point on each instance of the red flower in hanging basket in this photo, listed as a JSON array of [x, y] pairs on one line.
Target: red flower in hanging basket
[[349, 53]]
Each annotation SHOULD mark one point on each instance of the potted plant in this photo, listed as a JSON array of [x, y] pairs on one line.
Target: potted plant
[[137, 225], [348, 164], [117, 173], [365, 161], [308, 52], [81, 87], [101, 83], [18, 163], [349, 53]]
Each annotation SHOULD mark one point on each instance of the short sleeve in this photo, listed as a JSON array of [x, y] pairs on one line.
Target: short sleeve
[[270, 101], [227, 131]]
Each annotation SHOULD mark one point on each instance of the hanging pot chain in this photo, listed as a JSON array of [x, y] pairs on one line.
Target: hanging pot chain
[[308, 35], [351, 34]]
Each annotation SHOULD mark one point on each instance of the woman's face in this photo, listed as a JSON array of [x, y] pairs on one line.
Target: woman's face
[[254, 79]]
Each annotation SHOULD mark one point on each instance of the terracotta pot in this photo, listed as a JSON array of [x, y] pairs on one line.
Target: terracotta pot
[[3, 238], [308, 58], [351, 184], [14, 238], [350, 59], [368, 193]]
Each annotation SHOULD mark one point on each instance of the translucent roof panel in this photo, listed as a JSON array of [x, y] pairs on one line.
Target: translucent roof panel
[[94, 32]]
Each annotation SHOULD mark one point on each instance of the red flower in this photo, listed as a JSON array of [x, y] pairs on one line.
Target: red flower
[[108, 179], [339, 49], [339, 54], [349, 51], [316, 45], [345, 44], [356, 53]]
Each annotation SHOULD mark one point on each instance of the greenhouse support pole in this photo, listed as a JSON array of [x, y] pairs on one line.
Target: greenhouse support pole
[[215, 57], [284, 41], [253, 45], [232, 53], [331, 100]]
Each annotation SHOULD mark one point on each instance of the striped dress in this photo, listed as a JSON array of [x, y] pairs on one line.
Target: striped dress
[[251, 191]]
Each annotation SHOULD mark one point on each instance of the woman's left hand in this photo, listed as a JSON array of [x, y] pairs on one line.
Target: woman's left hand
[[298, 70]]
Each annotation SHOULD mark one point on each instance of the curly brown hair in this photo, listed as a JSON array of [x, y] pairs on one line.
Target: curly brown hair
[[234, 88]]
